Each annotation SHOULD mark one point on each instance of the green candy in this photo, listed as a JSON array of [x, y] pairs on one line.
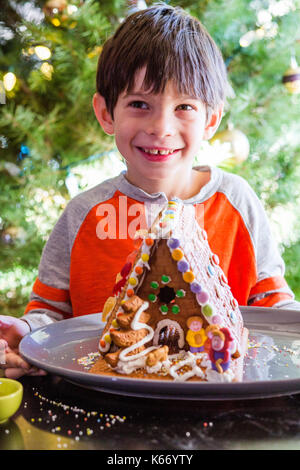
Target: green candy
[[152, 297], [207, 310], [154, 285], [164, 308], [175, 309], [180, 293]]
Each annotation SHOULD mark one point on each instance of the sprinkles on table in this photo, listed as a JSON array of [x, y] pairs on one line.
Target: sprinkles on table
[[87, 422]]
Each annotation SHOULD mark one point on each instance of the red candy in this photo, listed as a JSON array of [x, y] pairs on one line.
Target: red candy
[[126, 269]]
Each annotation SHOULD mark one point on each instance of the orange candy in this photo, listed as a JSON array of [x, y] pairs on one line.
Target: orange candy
[[149, 241], [177, 254], [188, 276], [138, 269], [130, 292]]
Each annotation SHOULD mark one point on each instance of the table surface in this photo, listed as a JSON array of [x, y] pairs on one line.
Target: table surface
[[56, 414]]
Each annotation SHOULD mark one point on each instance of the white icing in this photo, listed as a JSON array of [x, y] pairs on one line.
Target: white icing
[[106, 347], [137, 325], [183, 358], [189, 361], [214, 376]]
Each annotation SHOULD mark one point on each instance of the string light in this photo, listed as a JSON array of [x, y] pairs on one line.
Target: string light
[[42, 52], [9, 81], [47, 70]]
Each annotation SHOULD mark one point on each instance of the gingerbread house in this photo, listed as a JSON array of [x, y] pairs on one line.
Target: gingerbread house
[[167, 301]]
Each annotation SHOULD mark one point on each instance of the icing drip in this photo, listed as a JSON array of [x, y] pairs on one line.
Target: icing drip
[[191, 361], [137, 325]]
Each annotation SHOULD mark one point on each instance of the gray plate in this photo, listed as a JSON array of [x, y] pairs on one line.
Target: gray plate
[[271, 368]]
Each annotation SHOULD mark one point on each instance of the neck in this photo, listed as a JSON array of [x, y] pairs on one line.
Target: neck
[[182, 186]]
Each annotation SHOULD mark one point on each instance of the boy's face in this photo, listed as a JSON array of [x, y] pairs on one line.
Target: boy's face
[[158, 134]]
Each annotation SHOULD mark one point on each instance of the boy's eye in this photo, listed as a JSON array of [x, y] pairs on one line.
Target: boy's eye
[[185, 107], [138, 104]]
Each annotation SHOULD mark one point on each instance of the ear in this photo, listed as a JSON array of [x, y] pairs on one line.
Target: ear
[[102, 114], [213, 123]]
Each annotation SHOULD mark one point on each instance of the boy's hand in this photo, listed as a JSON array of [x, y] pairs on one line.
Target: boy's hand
[[12, 331]]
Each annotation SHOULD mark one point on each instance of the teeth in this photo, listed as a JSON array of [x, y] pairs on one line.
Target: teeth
[[157, 152]]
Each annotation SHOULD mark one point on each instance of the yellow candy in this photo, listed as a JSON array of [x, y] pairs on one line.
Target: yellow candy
[[108, 306], [107, 338], [188, 276], [115, 323], [145, 257], [132, 281], [177, 254]]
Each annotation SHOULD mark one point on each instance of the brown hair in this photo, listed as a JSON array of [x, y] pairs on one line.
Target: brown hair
[[172, 45]]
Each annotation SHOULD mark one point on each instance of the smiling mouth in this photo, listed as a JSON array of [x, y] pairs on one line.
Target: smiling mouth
[[156, 154], [157, 151]]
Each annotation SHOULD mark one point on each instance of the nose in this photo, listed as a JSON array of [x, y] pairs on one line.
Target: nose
[[161, 124]]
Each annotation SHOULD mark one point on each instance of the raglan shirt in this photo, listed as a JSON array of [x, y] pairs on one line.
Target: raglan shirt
[[95, 235]]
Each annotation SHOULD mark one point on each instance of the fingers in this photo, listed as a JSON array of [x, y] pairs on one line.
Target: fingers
[[5, 322], [16, 373], [13, 360]]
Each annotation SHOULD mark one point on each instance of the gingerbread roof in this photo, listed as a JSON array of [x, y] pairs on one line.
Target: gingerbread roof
[[178, 276]]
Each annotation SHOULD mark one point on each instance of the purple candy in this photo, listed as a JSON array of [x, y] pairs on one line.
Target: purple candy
[[195, 287], [173, 243], [182, 266], [202, 297]]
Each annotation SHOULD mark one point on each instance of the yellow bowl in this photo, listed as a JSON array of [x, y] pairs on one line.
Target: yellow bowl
[[11, 394]]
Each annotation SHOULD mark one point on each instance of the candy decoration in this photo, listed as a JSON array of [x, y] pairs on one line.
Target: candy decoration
[[207, 310], [180, 293], [132, 281], [107, 338], [130, 292], [138, 270], [175, 309], [177, 254], [173, 243], [202, 297], [149, 241], [164, 309], [126, 269], [165, 279], [216, 319], [152, 297], [232, 317], [154, 285], [188, 276], [223, 279], [210, 270], [108, 306], [118, 287], [195, 287], [145, 257], [182, 266], [215, 259]]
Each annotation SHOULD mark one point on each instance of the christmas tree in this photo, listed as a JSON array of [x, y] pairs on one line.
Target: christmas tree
[[52, 146]]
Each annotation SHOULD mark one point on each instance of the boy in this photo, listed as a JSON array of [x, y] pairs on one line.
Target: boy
[[161, 87]]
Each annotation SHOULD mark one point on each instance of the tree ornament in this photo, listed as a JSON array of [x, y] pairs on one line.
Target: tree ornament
[[239, 143], [54, 7], [291, 78], [24, 152]]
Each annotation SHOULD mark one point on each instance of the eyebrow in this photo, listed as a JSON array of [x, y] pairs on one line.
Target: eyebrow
[[142, 95], [137, 94]]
